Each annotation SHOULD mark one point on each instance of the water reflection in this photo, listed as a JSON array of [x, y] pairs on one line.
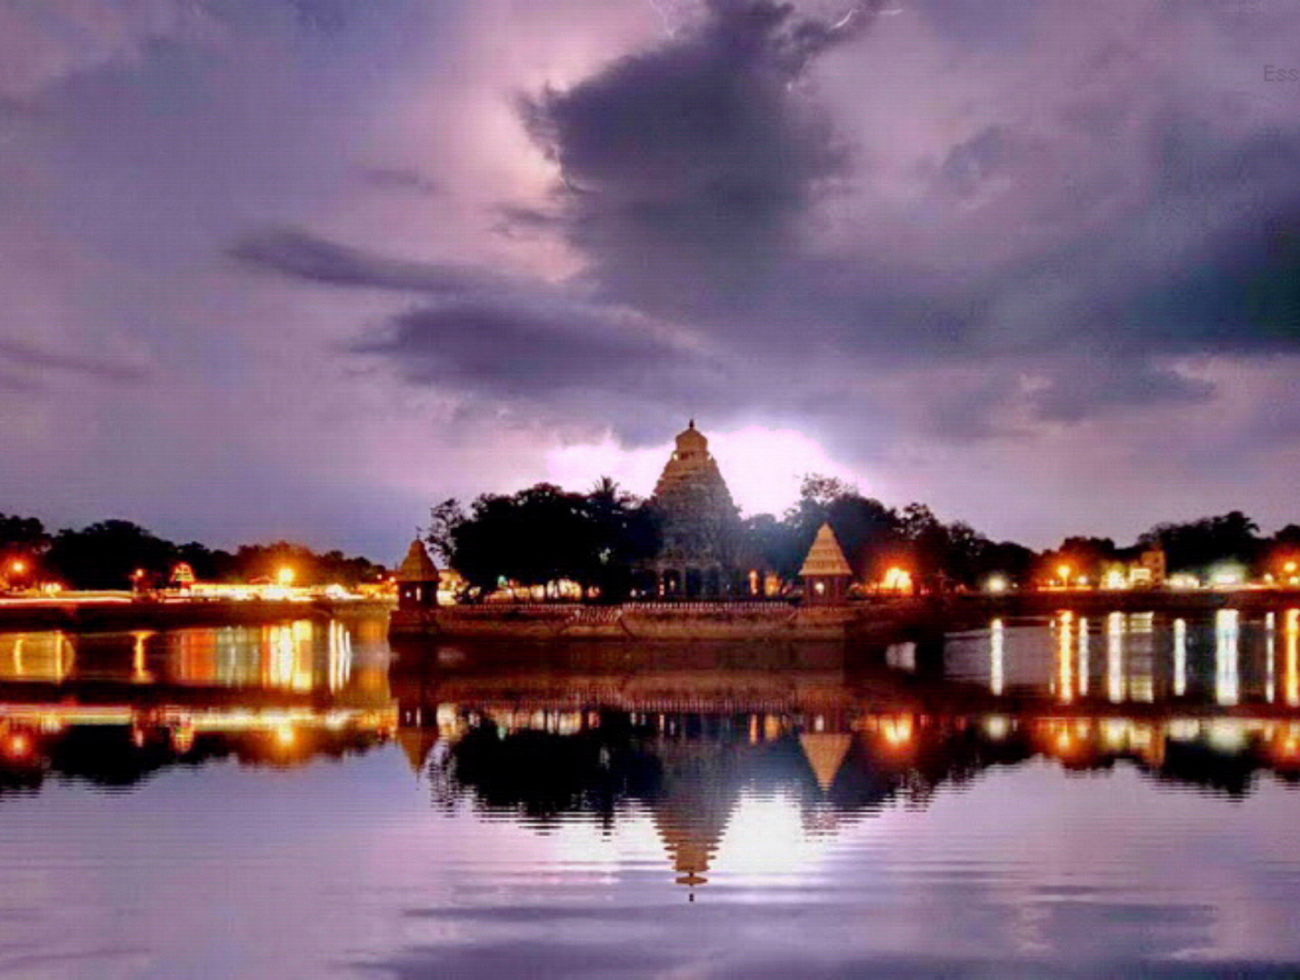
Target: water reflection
[[1031, 791], [545, 735], [113, 708]]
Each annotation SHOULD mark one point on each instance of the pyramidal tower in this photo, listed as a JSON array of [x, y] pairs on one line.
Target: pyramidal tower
[[700, 523]]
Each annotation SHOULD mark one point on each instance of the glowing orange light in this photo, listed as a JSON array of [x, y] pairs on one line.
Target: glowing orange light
[[284, 735], [897, 731], [285, 575], [19, 566], [18, 745], [1289, 567], [897, 579], [1063, 571]]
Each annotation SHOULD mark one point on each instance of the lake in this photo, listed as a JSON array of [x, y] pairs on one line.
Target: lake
[[1113, 796]]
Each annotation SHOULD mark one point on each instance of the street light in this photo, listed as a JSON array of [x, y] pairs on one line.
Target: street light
[[1063, 571], [285, 576]]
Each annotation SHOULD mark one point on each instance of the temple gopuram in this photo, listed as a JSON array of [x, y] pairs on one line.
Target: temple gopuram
[[702, 554]]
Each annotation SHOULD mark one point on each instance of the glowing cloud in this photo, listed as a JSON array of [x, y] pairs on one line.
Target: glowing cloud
[[762, 466]]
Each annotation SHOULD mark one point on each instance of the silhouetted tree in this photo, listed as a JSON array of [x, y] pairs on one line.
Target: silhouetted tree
[[1194, 545], [22, 539], [106, 555], [544, 534]]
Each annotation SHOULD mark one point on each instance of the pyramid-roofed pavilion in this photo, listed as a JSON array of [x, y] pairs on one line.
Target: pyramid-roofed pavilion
[[417, 566], [825, 752], [825, 557], [416, 744]]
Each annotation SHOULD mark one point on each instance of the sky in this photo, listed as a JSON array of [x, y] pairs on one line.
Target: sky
[[303, 268]]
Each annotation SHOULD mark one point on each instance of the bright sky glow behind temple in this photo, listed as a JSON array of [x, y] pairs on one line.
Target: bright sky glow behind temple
[[763, 467]]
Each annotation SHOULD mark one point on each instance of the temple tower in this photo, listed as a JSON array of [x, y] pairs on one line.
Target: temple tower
[[701, 525]]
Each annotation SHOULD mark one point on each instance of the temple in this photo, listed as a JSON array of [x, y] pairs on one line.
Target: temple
[[702, 553]]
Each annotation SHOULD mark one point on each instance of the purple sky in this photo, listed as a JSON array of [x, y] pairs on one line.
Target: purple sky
[[304, 267]]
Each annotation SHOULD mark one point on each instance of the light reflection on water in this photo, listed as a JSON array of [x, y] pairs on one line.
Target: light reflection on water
[[1103, 793]]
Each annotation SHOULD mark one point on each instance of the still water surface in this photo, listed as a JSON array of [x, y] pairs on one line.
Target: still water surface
[[1035, 798]]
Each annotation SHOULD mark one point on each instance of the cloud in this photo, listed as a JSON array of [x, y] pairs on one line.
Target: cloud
[[702, 149], [401, 179], [299, 254], [25, 358], [536, 350], [491, 336]]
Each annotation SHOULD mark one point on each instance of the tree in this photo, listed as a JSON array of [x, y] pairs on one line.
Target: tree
[[106, 555], [444, 519], [543, 534], [22, 543], [866, 529], [1195, 545]]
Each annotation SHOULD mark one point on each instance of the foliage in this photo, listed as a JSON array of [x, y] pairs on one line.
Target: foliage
[[107, 554], [1196, 545], [543, 534]]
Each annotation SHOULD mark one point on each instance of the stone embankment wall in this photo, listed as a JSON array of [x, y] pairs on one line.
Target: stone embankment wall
[[680, 621], [634, 621]]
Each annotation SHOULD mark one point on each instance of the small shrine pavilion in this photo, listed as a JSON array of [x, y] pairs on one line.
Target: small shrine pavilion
[[417, 578], [826, 572]]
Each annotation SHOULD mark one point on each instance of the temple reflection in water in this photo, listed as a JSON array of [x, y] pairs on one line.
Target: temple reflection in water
[[544, 734]]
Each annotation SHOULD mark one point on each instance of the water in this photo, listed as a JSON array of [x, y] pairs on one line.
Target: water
[[1036, 798]]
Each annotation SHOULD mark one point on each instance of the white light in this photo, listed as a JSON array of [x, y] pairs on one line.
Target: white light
[[763, 467]]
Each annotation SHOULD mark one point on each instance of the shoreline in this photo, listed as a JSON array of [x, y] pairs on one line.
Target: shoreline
[[108, 616]]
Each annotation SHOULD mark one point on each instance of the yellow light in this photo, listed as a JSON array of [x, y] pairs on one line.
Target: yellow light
[[898, 579], [19, 745], [285, 575], [1063, 571], [897, 731], [997, 584], [19, 566], [1289, 567], [284, 734]]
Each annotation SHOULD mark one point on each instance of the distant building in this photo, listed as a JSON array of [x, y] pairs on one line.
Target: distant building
[[1155, 566], [1149, 571], [826, 573]]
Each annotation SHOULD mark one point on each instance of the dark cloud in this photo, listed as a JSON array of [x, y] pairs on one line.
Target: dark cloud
[[299, 254], [24, 357], [1095, 387], [525, 351], [701, 149], [492, 337], [401, 179]]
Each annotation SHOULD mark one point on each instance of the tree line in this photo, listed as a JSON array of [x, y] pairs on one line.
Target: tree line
[[109, 554], [543, 534]]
